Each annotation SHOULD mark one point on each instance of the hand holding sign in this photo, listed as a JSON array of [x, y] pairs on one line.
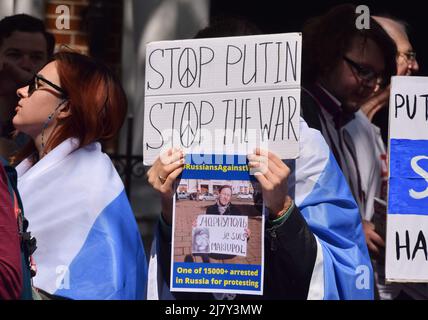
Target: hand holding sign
[[162, 176], [272, 174], [374, 241], [376, 102]]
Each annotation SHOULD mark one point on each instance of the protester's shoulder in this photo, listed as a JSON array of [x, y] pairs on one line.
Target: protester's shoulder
[[93, 158], [97, 169], [361, 125], [362, 120], [312, 142]]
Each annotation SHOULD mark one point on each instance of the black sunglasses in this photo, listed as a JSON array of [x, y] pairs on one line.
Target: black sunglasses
[[34, 85]]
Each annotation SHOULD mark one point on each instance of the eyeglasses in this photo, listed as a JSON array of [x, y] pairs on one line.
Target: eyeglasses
[[410, 56], [34, 85], [364, 73]]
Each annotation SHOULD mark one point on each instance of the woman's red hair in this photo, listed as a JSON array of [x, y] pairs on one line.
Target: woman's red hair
[[95, 98]]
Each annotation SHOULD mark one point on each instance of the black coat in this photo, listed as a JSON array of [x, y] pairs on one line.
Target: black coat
[[231, 210]]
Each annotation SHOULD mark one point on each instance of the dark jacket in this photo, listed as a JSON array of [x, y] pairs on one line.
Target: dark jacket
[[10, 254], [231, 210]]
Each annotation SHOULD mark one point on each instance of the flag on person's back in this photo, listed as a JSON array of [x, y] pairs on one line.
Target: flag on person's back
[[342, 269], [89, 246]]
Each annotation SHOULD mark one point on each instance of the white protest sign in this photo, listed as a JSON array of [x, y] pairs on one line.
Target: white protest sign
[[407, 219], [222, 234], [223, 95]]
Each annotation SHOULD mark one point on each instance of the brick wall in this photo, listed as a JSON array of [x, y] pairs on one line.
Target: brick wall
[[75, 37], [83, 13], [99, 20]]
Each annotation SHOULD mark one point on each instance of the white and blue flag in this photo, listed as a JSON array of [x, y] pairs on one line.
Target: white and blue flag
[[89, 246]]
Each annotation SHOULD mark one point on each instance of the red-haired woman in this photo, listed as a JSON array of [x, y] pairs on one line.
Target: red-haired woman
[[89, 246]]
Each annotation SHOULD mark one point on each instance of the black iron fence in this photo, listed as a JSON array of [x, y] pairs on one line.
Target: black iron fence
[[129, 166]]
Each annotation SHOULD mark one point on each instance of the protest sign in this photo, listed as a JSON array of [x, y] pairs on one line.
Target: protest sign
[[407, 218], [218, 228], [223, 95]]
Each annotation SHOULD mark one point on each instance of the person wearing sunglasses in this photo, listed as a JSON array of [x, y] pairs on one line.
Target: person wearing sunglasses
[[89, 246], [25, 47], [376, 110], [344, 67]]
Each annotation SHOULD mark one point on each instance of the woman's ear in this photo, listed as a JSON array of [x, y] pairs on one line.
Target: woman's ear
[[64, 110]]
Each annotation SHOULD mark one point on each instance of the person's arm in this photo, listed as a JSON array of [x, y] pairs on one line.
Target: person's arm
[[10, 257], [290, 246], [375, 243], [342, 268], [165, 239], [162, 176]]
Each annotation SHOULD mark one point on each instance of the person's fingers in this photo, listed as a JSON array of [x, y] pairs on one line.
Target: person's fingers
[[376, 239], [258, 167], [248, 232], [275, 164], [166, 170], [264, 183], [263, 169], [153, 178], [275, 159], [273, 178], [281, 171], [372, 248], [171, 156], [257, 164], [263, 165], [169, 182], [368, 225], [254, 164], [166, 163], [257, 158]]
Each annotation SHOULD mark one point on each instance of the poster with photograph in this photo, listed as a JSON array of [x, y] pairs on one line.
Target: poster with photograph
[[218, 227]]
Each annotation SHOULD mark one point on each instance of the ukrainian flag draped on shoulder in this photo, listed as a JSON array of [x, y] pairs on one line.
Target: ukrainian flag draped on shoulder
[[89, 246], [342, 269]]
